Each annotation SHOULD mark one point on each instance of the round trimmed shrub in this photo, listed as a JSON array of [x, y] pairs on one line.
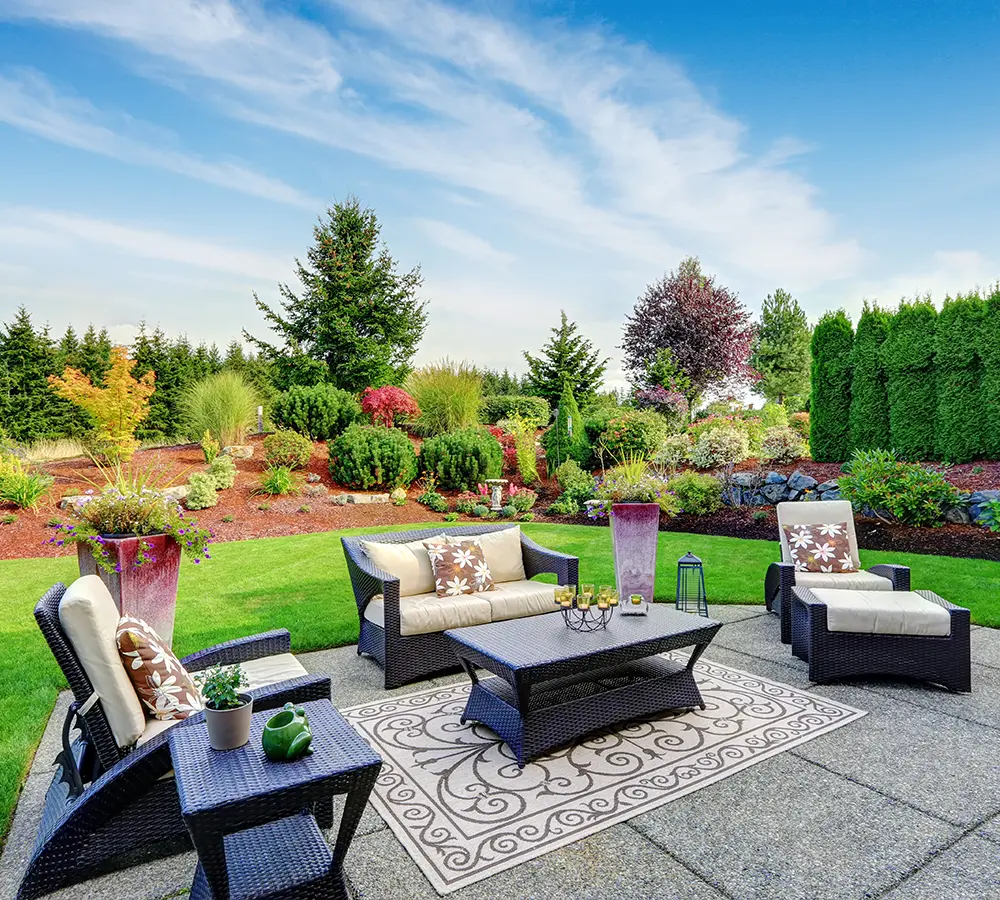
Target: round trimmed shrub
[[222, 471], [370, 456], [459, 460], [287, 448], [673, 453], [638, 432], [201, 491], [782, 445], [720, 446], [320, 412], [699, 495], [576, 484], [532, 410]]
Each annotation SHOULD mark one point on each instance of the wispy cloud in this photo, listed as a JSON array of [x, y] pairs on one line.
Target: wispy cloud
[[29, 102], [462, 242], [946, 272]]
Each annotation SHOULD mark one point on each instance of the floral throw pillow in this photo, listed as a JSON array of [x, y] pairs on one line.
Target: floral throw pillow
[[820, 548], [459, 567], [165, 689]]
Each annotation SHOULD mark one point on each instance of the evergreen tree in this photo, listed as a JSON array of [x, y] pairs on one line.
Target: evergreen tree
[[832, 342], [153, 353], [69, 350], [960, 427], [908, 358], [567, 438], [29, 410], [781, 349], [357, 315], [989, 351], [869, 423], [567, 356], [496, 383], [95, 354]]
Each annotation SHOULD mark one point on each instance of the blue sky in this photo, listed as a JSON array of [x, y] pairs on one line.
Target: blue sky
[[530, 156]]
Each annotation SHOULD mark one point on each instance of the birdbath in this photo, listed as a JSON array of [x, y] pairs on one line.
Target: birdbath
[[496, 492]]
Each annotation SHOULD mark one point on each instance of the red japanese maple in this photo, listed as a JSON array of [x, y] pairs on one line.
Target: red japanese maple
[[386, 404]]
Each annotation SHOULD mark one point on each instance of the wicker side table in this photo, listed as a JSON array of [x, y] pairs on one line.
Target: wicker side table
[[256, 823]]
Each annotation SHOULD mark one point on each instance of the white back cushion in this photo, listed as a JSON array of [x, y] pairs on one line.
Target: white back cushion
[[817, 512], [502, 550], [408, 562], [89, 619]]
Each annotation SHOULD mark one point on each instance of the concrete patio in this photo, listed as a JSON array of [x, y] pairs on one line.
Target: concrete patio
[[903, 805]]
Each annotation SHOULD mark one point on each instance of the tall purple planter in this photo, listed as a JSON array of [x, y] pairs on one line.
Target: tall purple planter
[[634, 531], [149, 591]]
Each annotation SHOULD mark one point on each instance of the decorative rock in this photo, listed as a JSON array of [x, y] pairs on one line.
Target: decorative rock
[[809, 497], [313, 478], [345, 499], [398, 496], [775, 492], [799, 482], [832, 494], [794, 495], [75, 500], [177, 492], [775, 478], [755, 498], [957, 516], [830, 485], [745, 479], [238, 451], [315, 490]]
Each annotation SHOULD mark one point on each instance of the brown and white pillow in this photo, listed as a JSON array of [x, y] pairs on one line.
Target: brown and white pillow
[[165, 689], [820, 547], [459, 567]]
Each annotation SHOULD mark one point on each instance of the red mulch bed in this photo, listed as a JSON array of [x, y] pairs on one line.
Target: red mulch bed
[[286, 515]]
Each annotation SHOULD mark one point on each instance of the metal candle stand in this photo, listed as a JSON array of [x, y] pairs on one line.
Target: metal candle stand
[[587, 618]]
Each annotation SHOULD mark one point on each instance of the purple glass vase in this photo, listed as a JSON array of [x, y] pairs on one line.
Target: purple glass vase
[[634, 531]]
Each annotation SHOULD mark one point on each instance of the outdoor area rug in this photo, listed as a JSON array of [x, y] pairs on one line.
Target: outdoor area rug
[[455, 798]]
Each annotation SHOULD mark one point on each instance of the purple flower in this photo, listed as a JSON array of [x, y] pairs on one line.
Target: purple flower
[[60, 543], [196, 561], [118, 568]]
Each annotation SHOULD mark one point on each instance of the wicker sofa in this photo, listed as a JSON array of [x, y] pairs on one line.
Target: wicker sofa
[[402, 619]]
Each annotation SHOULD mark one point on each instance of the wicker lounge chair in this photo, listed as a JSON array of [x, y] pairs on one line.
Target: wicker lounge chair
[[110, 806], [408, 657], [781, 576]]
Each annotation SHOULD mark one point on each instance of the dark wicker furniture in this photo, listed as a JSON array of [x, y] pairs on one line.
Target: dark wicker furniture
[[109, 808], [556, 684], [253, 821], [780, 580], [834, 655], [410, 657]]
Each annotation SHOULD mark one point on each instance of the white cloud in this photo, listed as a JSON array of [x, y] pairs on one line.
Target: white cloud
[[949, 272], [462, 242]]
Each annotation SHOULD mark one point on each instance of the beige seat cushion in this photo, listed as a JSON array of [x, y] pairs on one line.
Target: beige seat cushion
[[408, 562], [89, 619], [259, 672], [884, 612], [427, 613], [817, 512], [503, 554], [514, 599], [845, 581]]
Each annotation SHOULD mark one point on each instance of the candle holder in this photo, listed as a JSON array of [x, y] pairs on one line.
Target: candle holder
[[587, 618], [631, 608], [585, 611]]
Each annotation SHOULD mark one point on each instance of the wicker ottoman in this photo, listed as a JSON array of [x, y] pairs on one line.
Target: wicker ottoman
[[914, 634]]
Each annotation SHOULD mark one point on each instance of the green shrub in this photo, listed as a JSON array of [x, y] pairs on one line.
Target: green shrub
[[448, 395], [722, 445], [526, 517], [698, 495], [989, 351], [960, 431], [782, 445], [20, 484], [638, 432], [320, 412], [480, 511], [830, 406], [460, 460], [279, 480], [522, 499], [508, 511], [287, 448], [209, 446], [533, 410], [896, 491], [773, 415], [800, 422], [751, 425], [451, 517], [673, 453], [989, 515], [524, 445], [430, 498], [368, 456], [908, 357], [576, 484], [869, 417], [467, 501], [201, 491], [8, 519], [567, 438], [222, 471], [224, 405], [563, 506]]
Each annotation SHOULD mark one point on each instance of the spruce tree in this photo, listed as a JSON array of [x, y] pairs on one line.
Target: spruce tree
[[908, 358], [869, 421], [960, 427], [989, 351], [832, 342], [568, 356], [29, 410], [95, 354], [780, 352]]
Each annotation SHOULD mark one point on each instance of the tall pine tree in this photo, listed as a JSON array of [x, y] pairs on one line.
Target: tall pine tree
[[781, 353], [869, 423], [960, 427], [29, 410], [829, 409], [568, 356], [908, 357]]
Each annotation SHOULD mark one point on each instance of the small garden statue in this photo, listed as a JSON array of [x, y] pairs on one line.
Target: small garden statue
[[287, 735]]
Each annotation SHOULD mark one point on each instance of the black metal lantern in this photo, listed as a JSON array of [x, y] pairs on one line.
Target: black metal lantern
[[691, 585]]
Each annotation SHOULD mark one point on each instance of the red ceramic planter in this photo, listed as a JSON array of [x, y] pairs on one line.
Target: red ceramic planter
[[634, 532], [149, 591]]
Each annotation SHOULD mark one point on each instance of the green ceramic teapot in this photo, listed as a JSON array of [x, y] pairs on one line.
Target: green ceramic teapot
[[287, 735]]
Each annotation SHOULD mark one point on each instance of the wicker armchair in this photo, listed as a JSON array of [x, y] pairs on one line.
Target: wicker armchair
[[781, 576], [406, 658], [110, 807]]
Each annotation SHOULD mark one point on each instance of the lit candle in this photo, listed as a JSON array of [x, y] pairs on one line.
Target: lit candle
[[602, 603], [636, 599]]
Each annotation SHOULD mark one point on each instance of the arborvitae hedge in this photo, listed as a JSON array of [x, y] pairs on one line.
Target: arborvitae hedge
[[869, 423], [960, 426], [830, 405], [989, 352], [908, 357]]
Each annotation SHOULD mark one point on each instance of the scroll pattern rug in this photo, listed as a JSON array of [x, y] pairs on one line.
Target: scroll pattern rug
[[455, 798]]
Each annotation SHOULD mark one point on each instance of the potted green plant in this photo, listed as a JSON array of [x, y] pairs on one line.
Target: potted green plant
[[132, 534], [227, 710]]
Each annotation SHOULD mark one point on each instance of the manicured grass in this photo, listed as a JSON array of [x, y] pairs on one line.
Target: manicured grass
[[300, 583]]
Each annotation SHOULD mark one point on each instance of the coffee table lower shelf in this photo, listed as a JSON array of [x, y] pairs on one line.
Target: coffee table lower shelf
[[563, 709]]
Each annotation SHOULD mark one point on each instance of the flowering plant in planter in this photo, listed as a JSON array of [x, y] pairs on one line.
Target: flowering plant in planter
[[631, 482]]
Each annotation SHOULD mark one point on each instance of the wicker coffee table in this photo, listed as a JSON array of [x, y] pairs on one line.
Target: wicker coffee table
[[555, 684]]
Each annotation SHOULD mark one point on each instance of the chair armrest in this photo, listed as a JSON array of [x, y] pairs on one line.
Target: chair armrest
[[538, 559], [779, 579], [255, 646], [898, 575], [367, 579], [294, 690]]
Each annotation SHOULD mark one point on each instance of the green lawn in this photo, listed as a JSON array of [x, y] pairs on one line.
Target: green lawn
[[300, 583]]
